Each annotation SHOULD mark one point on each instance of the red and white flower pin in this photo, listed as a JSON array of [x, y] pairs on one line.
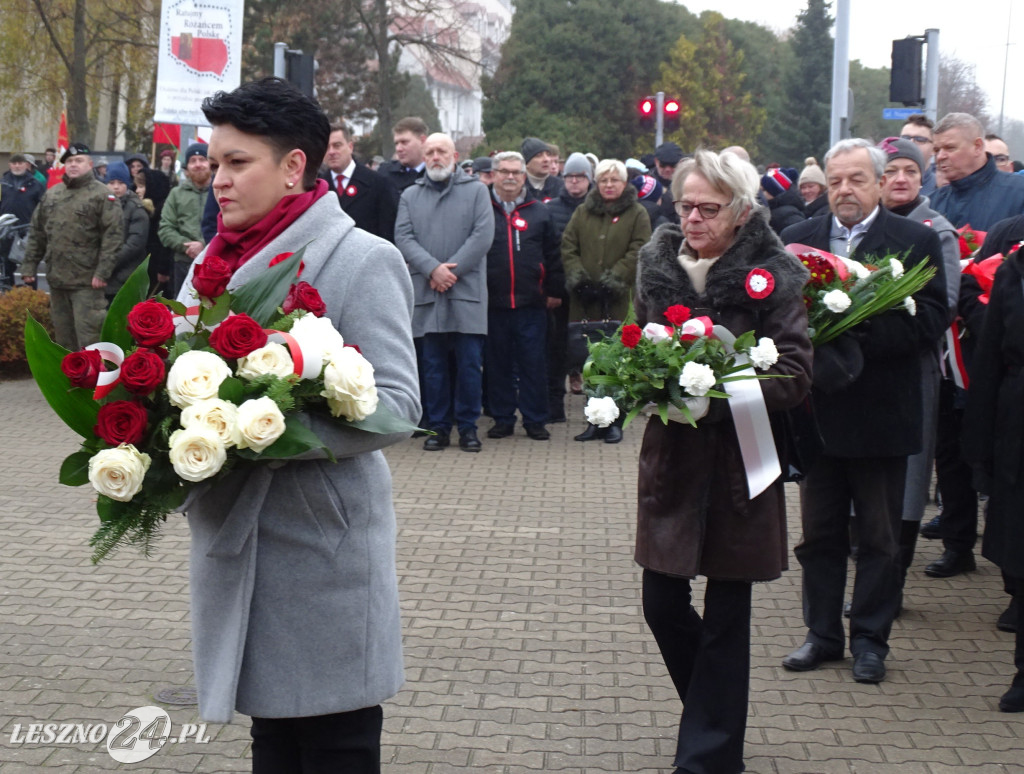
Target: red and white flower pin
[[351, 191], [760, 283], [519, 224]]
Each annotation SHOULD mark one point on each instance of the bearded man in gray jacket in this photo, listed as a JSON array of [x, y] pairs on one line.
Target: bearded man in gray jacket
[[444, 229]]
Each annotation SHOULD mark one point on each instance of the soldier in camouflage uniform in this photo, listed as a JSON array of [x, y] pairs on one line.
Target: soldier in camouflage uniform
[[77, 229]]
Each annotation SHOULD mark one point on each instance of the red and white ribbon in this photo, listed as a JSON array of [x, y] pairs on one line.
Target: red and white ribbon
[[307, 362], [953, 364], [107, 380], [698, 326]]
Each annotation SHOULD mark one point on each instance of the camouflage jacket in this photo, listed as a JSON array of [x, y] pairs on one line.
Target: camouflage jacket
[[78, 230]]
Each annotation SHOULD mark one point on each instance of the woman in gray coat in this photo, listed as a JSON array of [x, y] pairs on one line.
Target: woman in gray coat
[[294, 593]]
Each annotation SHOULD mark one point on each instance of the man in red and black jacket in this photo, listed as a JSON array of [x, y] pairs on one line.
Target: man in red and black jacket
[[524, 279]]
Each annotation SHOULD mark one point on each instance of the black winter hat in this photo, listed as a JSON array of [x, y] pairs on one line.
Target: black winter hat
[[532, 146]]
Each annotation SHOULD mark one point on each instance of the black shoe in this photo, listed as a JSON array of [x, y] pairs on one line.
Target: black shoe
[[592, 433], [809, 656], [1007, 621], [468, 441], [501, 431], [951, 563], [613, 434], [537, 432], [1012, 700], [868, 668], [932, 530], [556, 419], [437, 442]]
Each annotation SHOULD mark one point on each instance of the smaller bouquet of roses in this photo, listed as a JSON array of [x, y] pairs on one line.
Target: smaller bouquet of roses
[[842, 292], [970, 240], [174, 396], [676, 366]]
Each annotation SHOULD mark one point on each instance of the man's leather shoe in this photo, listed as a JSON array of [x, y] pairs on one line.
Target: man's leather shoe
[[437, 442], [468, 441], [1007, 621], [501, 431], [868, 667], [932, 530], [537, 432], [951, 563], [1012, 700], [809, 656], [613, 434], [592, 433]]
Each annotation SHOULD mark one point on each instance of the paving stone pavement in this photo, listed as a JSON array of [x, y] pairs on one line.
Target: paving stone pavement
[[526, 650]]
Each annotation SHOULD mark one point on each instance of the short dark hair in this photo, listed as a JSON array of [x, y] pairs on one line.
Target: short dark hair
[[278, 112], [413, 124], [50, 150], [920, 119], [345, 129], [991, 136]]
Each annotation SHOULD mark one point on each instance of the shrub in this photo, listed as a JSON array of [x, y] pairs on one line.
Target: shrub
[[15, 306]]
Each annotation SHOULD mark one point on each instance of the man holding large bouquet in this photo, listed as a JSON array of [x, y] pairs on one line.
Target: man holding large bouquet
[[866, 402]]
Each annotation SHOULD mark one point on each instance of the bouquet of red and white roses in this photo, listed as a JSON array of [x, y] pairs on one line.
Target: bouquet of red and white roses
[[674, 369], [842, 292], [174, 396]]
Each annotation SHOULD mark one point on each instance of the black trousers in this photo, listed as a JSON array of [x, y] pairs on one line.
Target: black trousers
[[708, 660], [342, 743], [875, 486], [959, 523]]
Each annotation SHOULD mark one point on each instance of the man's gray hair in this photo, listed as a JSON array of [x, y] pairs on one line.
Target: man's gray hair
[[508, 156], [726, 172], [970, 125], [877, 155]]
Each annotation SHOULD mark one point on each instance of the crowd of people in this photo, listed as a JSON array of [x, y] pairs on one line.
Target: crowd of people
[[479, 278]]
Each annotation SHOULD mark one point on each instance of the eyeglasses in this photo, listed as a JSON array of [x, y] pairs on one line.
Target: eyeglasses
[[708, 211], [508, 172], [916, 138], [1002, 158], [575, 178]]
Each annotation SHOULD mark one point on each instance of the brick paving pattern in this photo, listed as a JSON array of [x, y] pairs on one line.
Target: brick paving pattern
[[526, 649]]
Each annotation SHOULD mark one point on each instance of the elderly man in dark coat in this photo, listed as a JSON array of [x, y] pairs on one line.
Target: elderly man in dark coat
[[868, 413]]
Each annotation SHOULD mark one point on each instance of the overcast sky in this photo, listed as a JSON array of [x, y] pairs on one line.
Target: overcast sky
[[974, 31]]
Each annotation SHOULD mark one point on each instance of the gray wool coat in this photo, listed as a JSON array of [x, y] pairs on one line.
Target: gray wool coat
[[452, 225], [294, 593]]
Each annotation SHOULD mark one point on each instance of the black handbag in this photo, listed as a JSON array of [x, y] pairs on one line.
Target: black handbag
[[580, 333]]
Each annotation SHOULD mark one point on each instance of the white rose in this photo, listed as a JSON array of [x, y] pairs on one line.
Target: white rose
[[118, 473], [656, 332], [214, 414], [195, 376], [349, 385], [836, 301], [896, 267], [764, 355], [910, 305], [271, 359], [697, 378], [260, 423], [318, 336], [196, 453], [601, 411]]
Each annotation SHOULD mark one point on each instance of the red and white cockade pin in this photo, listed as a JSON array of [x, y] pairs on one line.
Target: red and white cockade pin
[[351, 191], [760, 283], [519, 224]]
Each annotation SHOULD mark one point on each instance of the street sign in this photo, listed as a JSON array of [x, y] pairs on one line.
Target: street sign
[[900, 114]]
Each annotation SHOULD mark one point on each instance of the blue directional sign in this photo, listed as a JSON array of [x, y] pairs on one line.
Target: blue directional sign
[[900, 114]]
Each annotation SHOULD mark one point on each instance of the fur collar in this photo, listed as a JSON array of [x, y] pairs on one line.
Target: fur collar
[[663, 282], [598, 205]]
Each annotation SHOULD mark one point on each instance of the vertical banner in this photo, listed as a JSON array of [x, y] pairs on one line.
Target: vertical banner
[[200, 53]]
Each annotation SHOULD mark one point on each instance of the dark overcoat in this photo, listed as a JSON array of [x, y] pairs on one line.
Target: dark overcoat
[[369, 199], [694, 513]]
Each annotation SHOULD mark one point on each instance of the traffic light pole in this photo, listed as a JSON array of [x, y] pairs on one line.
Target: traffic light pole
[[659, 118]]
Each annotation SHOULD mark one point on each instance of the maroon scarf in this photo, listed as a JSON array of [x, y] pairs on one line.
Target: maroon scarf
[[237, 247]]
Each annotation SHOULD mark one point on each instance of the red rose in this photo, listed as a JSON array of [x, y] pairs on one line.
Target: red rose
[[284, 257], [677, 314], [123, 421], [83, 368], [142, 372], [237, 336], [302, 295], [631, 335], [210, 278], [150, 323]]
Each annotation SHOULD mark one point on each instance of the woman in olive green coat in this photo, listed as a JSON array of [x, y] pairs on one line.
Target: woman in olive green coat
[[599, 253]]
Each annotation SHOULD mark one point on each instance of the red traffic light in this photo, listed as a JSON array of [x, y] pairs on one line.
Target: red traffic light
[[647, 106], [672, 107]]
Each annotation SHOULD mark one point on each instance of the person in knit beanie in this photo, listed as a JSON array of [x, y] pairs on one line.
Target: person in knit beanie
[[784, 202], [813, 189]]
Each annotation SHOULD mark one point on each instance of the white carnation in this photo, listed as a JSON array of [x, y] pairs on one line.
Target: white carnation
[[896, 267], [196, 453], [118, 473], [697, 378], [764, 355], [271, 359], [349, 385], [318, 336], [910, 305], [214, 414], [260, 423], [656, 332], [601, 411], [836, 301], [856, 268], [195, 376]]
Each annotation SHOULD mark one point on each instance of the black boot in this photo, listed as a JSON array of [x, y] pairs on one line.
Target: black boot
[[592, 433]]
